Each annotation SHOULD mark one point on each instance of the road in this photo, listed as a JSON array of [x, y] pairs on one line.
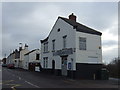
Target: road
[[19, 78]]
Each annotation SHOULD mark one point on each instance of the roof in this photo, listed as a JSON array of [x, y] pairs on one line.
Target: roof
[[31, 51], [80, 27], [44, 40]]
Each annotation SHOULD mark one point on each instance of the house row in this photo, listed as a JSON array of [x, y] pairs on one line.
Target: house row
[[71, 49], [24, 58]]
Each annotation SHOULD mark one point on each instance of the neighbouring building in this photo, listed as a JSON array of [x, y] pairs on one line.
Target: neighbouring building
[[32, 60], [17, 56], [22, 53], [4, 60], [13, 58], [10, 58], [72, 49]]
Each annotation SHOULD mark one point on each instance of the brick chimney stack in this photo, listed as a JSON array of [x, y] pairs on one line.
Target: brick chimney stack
[[72, 17]]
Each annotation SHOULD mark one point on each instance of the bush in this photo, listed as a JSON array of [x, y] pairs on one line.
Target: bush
[[114, 68]]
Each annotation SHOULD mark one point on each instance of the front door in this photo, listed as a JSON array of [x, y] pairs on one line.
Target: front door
[[53, 66], [64, 66]]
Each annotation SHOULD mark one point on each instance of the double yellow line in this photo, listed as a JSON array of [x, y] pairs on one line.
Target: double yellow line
[[6, 82], [12, 85]]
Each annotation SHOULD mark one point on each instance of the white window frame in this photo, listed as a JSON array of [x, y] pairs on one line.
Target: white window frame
[[82, 43], [45, 62], [46, 47], [53, 45], [64, 41]]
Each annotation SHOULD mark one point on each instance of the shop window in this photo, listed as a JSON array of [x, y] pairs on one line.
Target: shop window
[[45, 62]]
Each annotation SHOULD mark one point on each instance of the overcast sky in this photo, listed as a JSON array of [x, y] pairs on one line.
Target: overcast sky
[[30, 22]]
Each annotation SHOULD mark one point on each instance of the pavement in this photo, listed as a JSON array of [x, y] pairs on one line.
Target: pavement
[[19, 78], [115, 79]]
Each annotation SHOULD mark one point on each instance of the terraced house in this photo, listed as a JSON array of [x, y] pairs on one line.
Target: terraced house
[[32, 60], [72, 49], [17, 56]]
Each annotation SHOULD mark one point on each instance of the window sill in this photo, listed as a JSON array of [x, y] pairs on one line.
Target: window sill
[[82, 50]]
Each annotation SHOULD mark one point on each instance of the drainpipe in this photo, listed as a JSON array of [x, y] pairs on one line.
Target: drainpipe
[[94, 76]]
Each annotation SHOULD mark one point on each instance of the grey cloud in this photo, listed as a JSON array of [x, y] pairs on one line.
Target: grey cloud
[[109, 43], [96, 15], [30, 22], [110, 55]]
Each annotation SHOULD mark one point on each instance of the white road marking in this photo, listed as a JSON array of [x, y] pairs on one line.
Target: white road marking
[[19, 78], [24, 80], [13, 86], [32, 84]]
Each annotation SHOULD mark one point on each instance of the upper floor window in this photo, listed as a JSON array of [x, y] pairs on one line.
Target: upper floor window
[[58, 30], [37, 56], [82, 43], [64, 41], [53, 45], [46, 47]]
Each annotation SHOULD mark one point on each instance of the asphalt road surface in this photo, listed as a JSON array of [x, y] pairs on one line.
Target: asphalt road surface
[[19, 78]]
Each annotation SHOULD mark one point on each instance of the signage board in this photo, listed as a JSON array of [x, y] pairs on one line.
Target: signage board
[[37, 69], [63, 52]]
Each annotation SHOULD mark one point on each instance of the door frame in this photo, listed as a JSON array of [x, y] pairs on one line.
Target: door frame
[[53, 66]]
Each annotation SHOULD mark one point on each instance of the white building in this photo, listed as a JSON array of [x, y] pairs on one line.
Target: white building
[[72, 49], [9, 59], [13, 58], [32, 60], [22, 53], [17, 58]]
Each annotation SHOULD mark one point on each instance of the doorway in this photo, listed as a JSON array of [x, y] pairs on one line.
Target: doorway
[[64, 65], [53, 66]]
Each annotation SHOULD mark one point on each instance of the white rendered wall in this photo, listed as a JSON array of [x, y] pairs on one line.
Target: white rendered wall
[[93, 54], [65, 29], [22, 53], [32, 56], [25, 62], [17, 62]]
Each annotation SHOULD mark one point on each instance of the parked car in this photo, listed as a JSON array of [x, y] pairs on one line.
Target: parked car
[[4, 65], [11, 66]]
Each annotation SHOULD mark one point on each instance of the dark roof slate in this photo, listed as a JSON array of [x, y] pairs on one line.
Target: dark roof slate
[[31, 51], [80, 27], [46, 39]]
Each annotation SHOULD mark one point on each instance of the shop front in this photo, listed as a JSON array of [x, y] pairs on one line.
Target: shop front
[[34, 66]]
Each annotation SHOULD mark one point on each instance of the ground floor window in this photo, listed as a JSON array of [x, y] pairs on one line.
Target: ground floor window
[[45, 62]]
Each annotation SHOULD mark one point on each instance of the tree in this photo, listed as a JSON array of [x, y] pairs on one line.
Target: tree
[[114, 68]]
